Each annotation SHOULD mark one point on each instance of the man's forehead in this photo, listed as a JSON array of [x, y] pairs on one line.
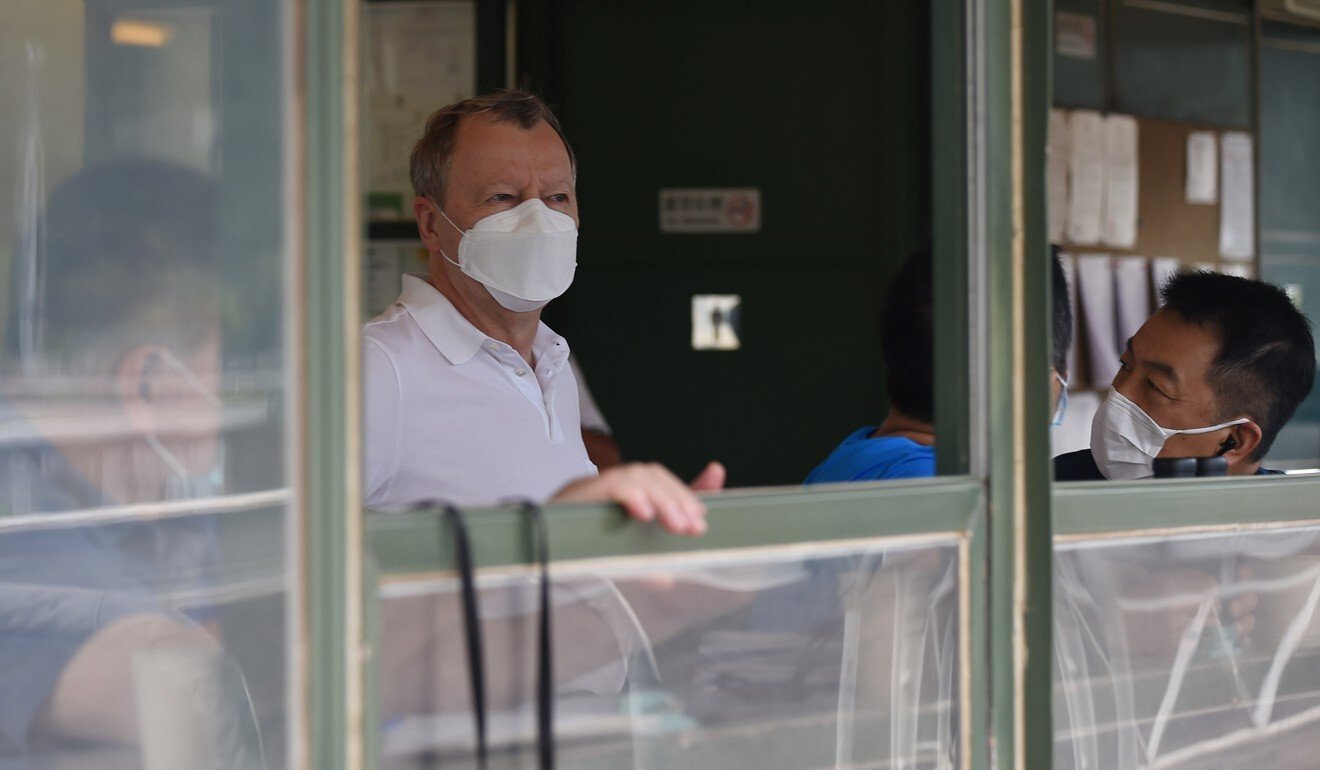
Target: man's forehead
[[1169, 339], [485, 143]]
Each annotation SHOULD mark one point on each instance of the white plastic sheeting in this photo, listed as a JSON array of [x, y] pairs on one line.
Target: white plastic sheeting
[[1191, 651], [811, 656]]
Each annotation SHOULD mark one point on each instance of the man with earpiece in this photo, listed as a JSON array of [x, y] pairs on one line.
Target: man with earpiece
[[1217, 371], [469, 398]]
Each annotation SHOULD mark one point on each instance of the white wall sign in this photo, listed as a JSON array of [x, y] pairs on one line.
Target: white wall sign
[[710, 210], [715, 321], [1074, 35]]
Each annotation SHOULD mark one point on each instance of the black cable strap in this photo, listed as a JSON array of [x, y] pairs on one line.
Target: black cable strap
[[471, 628], [545, 693]]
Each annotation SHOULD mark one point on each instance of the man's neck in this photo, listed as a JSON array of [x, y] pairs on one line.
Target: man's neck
[[1244, 468], [518, 330], [899, 425]]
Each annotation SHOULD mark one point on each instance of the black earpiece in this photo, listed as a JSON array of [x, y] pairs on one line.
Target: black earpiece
[[1229, 445]]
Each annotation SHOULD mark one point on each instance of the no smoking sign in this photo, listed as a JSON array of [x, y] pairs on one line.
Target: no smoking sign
[[710, 210]]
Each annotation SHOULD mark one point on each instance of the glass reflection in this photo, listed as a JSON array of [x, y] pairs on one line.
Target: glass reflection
[[142, 489], [850, 654]]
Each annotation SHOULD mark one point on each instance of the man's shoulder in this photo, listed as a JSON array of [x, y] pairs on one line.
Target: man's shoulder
[[393, 332], [862, 457], [1077, 466]]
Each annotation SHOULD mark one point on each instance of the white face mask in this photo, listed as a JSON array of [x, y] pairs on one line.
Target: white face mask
[[1062, 408], [1125, 440], [525, 256]]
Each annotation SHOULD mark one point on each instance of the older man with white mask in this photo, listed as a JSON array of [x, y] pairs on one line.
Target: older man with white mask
[[469, 397]]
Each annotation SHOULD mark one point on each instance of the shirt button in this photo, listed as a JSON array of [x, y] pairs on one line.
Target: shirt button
[[520, 372]]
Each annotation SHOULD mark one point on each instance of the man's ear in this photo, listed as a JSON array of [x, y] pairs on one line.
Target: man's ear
[[1246, 437], [137, 383], [429, 222]]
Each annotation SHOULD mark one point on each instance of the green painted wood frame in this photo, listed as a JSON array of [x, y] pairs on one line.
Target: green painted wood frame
[[328, 427]]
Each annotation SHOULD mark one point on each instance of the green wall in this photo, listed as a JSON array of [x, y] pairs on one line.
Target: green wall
[[822, 106], [1290, 177]]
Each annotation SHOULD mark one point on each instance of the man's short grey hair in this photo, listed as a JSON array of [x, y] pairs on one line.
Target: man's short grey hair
[[431, 156]]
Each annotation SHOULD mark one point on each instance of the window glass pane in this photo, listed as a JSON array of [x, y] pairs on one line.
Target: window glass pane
[[710, 268], [1191, 651], [143, 384], [783, 658], [1179, 145]]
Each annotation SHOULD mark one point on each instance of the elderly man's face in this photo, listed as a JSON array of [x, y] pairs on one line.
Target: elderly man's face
[[1164, 372], [494, 167]]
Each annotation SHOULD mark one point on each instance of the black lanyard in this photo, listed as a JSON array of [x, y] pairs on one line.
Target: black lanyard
[[545, 738]]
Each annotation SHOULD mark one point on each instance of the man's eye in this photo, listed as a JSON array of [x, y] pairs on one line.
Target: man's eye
[[560, 198], [1156, 389], [1124, 365], [501, 198]]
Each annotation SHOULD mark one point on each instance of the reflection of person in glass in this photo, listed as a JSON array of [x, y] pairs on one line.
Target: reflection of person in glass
[[109, 398]]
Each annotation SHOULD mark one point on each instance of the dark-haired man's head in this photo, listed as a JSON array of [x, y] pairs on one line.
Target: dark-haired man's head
[[907, 338], [1221, 349]]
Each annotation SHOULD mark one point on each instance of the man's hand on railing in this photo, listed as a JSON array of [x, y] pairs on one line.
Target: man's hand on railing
[[648, 491]]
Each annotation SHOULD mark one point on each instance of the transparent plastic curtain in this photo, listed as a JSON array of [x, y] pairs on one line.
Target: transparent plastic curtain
[[144, 497], [829, 656], [1188, 651]]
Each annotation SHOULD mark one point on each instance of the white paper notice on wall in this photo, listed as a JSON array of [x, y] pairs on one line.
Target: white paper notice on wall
[[1202, 167], [1095, 284], [1240, 269], [1131, 295], [1120, 181], [1069, 263], [1237, 216], [1056, 179], [1161, 270], [1086, 177], [710, 210]]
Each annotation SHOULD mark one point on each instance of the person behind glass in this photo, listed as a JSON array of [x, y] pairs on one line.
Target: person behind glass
[[469, 397], [1217, 371], [903, 446], [110, 374], [602, 448]]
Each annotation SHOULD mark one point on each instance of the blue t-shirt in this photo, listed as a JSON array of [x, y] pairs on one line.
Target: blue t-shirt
[[863, 458]]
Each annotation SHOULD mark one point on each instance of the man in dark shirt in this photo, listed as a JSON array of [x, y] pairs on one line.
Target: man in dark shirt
[[1217, 371]]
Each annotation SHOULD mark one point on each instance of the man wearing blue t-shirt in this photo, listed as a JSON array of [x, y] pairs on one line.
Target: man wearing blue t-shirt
[[903, 446]]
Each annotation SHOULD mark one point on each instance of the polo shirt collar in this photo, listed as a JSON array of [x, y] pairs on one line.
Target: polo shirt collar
[[455, 336], [452, 334]]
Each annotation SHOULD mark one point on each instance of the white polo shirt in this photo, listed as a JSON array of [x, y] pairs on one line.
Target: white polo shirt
[[453, 415]]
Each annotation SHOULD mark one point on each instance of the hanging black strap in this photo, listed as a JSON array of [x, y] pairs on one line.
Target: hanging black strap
[[471, 627], [545, 676]]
